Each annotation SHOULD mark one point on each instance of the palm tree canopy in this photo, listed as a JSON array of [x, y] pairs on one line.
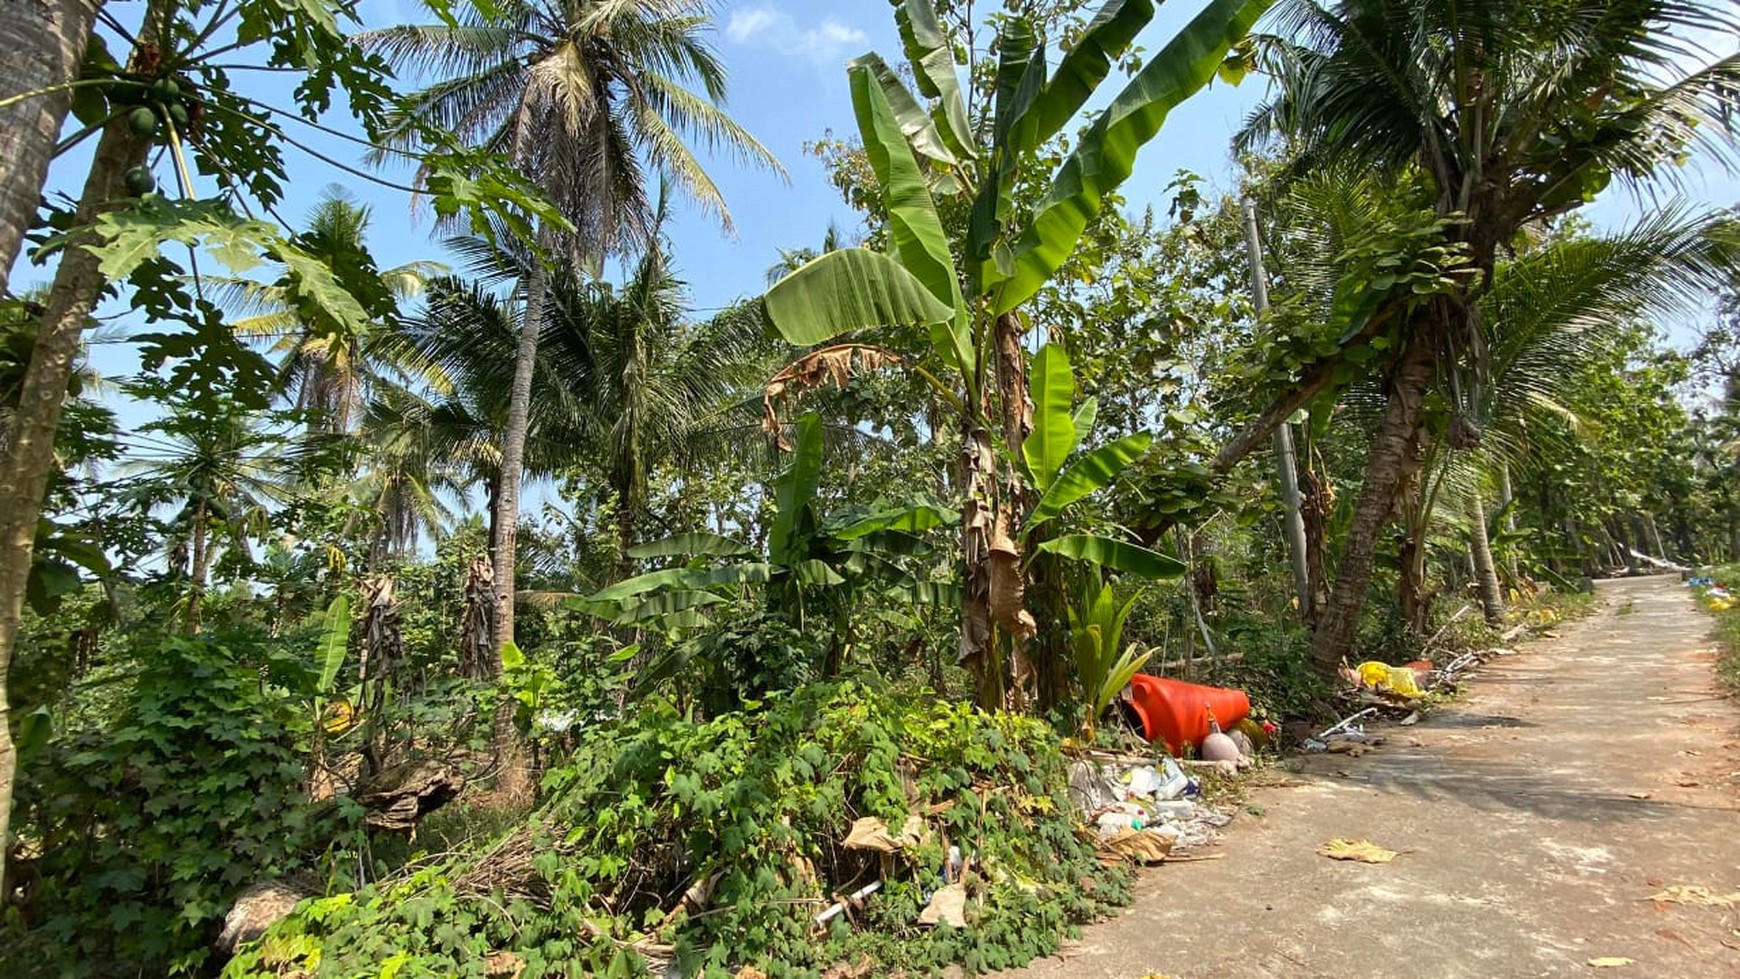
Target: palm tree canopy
[[327, 368], [1516, 109], [586, 96]]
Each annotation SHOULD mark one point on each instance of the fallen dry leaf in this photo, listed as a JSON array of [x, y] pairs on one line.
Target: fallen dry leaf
[[1363, 851], [1687, 783], [1610, 961], [1638, 795], [1695, 894]]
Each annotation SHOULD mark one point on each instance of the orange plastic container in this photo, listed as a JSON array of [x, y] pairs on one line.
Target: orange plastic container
[[1177, 712]]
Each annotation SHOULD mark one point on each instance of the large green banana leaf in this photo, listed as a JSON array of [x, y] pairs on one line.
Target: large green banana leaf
[[1048, 446], [919, 239], [912, 519], [1115, 554], [334, 640], [796, 488], [697, 544], [915, 122], [1084, 67], [1091, 472], [933, 67], [1020, 79], [849, 289], [1107, 152]]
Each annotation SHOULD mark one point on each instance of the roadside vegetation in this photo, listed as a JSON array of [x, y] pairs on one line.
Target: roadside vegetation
[[501, 614]]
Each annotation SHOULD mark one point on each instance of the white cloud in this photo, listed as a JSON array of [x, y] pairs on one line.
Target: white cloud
[[825, 44]]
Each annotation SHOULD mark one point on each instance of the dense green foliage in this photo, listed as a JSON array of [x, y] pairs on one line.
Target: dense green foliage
[[752, 808], [885, 538], [150, 819]]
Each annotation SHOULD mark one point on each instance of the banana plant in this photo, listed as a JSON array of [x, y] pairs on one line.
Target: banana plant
[[1045, 464], [810, 557], [967, 293], [1096, 630]]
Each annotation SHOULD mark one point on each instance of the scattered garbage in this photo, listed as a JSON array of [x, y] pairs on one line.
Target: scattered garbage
[[1136, 807], [948, 906], [854, 899], [1217, 746], [1359, 851], [1142, 846], [1695, 894], [871, 833]]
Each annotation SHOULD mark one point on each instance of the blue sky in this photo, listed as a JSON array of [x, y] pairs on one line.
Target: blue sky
[[785, 59]]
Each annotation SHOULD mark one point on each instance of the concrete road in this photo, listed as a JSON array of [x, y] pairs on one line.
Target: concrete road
[[1539, 813]]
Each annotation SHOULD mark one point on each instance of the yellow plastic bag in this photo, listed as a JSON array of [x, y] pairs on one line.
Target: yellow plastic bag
[[1382, 677]]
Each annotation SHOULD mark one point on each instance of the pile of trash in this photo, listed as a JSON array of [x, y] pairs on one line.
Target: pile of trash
[[1715, 594], [1141, 809]]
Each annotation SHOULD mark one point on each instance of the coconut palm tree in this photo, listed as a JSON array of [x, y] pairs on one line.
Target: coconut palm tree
[[219, 469], [1509, 112], [590, 98], [324, 368], [624, 380]]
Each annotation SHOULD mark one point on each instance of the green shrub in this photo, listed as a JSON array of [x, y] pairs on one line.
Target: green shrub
[[756, 802], [148, 827]]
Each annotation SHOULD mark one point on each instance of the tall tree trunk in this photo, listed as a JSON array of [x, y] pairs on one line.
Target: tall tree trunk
[[29, 452], [1505, 500], [513, 446], [201, 565], [1485, 571], [47, 40], [1286, 466], [1314, 509], [1392, 460], [513, 784]]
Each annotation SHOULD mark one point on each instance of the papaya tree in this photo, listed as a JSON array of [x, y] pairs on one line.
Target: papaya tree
[[968, 290]]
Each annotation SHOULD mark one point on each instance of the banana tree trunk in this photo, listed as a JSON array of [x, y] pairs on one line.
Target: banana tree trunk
[[978, 654], [29, 450], [47, 40], [1485, 571], [1393, 459], [513, 448], [1037, 663]]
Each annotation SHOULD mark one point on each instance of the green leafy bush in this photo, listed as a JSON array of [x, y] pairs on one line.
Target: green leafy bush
[[755, 804], [148, 827]]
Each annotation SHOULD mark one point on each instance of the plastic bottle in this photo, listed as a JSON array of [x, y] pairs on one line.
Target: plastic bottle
[[1113, 823], [1172, 780]]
